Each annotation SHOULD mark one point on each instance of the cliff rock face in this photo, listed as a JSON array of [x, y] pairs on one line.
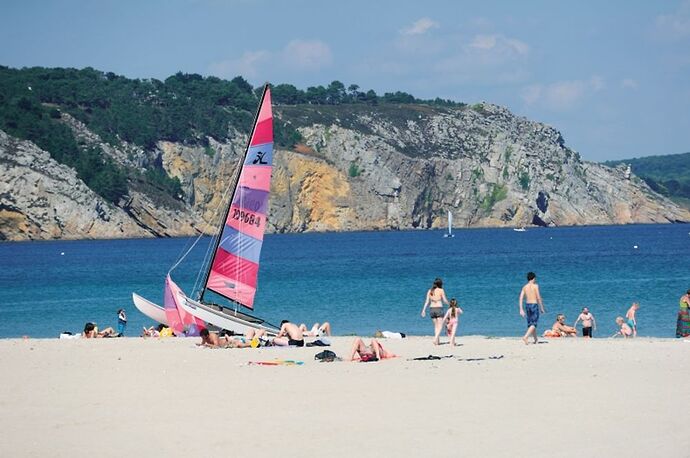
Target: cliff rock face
[[42, 199], [360, 168]]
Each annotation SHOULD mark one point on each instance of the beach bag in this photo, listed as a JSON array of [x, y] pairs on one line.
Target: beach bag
[[325, 356]]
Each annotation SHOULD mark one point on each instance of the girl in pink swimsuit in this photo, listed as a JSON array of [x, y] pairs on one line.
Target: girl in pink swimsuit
[[451, 319]]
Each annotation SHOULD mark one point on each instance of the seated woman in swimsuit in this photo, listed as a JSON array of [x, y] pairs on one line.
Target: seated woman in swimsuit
[[562, 329], [363, 352]]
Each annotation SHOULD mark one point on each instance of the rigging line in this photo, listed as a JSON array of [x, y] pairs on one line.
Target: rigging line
[[218, 216]]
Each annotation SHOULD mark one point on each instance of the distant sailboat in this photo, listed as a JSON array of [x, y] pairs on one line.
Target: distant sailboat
[[520, 229], [450, 226], [234, 266]]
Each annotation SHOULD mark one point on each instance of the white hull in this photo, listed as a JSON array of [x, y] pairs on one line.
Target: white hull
[[151, 310], [238, 323]]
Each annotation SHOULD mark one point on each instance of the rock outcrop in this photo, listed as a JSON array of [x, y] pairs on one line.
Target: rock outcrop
[[359, 168], [42, 199]]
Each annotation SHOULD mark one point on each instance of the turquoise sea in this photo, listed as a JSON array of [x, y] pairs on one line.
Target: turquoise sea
[[364, 281]]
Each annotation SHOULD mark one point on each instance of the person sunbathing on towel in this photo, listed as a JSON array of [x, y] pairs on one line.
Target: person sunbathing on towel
[[317, 330], [212, 340], [563, 329], [91, 331], [372, 352]]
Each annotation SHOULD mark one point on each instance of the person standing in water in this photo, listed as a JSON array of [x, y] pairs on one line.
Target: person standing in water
[[588, 322], [435, 298], [533, 305]]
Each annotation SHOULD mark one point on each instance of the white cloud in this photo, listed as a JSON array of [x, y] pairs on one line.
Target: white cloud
[[246, 66], [629, 83], [497, 47], [420, 27], [676, 25], [308, 54], [561, 95]]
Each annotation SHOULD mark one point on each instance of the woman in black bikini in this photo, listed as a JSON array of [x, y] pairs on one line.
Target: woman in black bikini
[[435, 298]]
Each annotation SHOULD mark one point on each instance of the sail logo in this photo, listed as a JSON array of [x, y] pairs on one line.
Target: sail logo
[[259, 159], [260, 155]]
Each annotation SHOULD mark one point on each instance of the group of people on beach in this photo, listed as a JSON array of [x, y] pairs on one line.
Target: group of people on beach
[[531, 306]]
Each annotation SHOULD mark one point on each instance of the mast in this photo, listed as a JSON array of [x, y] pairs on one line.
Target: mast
[[232, 194]]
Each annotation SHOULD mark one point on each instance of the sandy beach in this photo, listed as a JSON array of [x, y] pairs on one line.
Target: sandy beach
[[167, 397]]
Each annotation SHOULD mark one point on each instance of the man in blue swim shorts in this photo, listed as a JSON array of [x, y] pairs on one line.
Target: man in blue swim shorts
[[530, 294]]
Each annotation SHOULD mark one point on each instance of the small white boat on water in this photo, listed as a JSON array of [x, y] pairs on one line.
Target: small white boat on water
[[449, 234], [520, 229]]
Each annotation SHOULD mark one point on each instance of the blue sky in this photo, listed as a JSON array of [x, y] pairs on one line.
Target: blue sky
[[613, 77]]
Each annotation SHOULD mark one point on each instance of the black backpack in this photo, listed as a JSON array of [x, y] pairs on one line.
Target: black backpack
[[325, 356]]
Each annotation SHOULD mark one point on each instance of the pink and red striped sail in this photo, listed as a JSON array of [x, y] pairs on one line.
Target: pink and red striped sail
[[236, 262]]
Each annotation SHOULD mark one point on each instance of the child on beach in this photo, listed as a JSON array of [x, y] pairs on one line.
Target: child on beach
[[630, 317], [530, 293], [588, 322], [121, 322], [451, 319], [625, 330]]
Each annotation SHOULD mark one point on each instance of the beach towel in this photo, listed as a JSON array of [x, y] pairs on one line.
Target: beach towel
[[277, 362], [430, 358]]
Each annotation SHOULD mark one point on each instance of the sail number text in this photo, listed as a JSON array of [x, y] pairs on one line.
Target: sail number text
[[246, 217]]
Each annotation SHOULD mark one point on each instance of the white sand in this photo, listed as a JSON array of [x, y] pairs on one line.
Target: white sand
[[135, 397]]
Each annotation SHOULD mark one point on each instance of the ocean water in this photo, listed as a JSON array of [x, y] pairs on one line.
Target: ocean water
[[364, 281]]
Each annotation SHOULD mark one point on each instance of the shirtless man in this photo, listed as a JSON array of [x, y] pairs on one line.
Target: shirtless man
[[630, 317], [290, 334], [588, 322], [563, 329], [530, 293]]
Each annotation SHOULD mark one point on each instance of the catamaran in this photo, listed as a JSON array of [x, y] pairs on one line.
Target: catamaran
[[233, 268], [450, 226]]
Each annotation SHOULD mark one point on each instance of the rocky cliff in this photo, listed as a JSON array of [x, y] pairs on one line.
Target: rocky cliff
[[359, 168]]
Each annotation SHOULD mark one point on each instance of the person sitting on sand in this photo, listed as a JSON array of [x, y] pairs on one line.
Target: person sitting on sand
[[213, 340], [372, 352], [451, 319], [630, 317], [159, 331], [290, 335], [625, 330], [563, 329], [588, 322], [317, 330], [91, 331]]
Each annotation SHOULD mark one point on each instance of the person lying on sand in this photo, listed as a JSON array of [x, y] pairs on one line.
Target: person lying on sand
[[563, 329], [213, 340], [91, 331], [153, 332], [625, 330], [372, 352], [290, 334], [317, 330]]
